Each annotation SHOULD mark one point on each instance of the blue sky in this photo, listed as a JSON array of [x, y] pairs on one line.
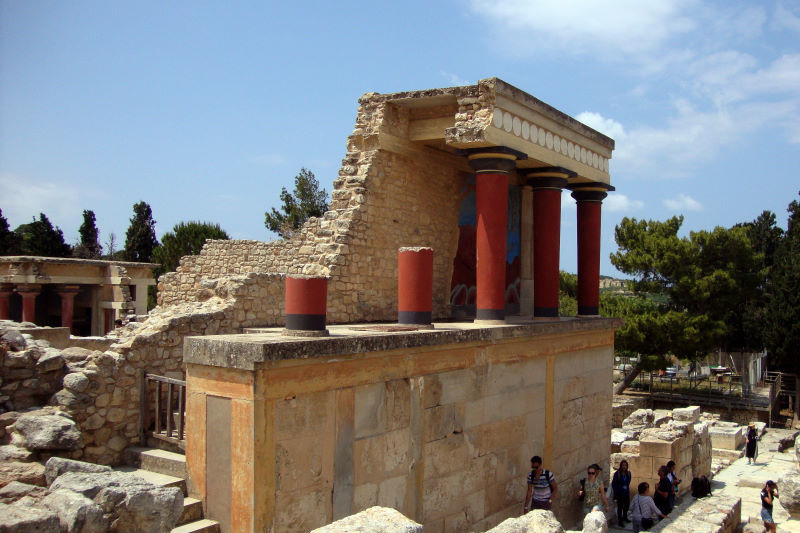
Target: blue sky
[[206, 109]]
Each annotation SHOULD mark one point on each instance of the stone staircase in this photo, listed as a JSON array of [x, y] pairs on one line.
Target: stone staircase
[[168, 469]]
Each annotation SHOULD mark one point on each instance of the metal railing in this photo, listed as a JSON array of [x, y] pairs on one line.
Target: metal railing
[[162, 407]]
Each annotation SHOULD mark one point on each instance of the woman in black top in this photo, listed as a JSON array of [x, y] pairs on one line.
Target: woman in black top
[[768, 495], [751, 450], [621, 483], [663, 489]]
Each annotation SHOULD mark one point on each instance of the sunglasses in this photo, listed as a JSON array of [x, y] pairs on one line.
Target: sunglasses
[[591, 472]]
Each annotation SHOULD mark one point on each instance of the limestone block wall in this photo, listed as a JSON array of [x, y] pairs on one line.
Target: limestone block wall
[[100, 388], [443, 433], [389, 193], [683, 438]]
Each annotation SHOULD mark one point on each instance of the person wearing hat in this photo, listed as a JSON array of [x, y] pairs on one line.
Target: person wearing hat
[[751, 449]]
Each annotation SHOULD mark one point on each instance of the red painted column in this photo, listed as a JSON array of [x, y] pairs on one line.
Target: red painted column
[[414, 286], [589, 199], [5, 296], [492, 166], [29, 294], [306, 301], [67, 304], [547, 184]]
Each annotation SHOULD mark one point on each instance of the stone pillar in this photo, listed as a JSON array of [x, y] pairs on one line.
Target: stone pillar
[[589, 198], [67, 294], [415, 286], [5, 295], [492, 166], [29, 294], [526, 252], [547, 184]]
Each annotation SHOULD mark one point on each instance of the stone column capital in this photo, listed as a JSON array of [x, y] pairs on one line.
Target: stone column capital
[[494, 159], [590, 192], [68, 289], [29, 288], [548, 177]]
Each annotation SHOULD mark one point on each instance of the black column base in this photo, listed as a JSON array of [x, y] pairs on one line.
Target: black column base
[[490, 314], [545, 312], [414, 317], [588, 310]]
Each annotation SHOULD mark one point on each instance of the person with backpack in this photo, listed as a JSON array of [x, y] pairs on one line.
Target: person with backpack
[[542, 487], [644, 510], [621, 484]]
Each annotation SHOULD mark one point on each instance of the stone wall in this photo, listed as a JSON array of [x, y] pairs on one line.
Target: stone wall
[[649, 440], [438, 424], [101, 389], [390, 193]]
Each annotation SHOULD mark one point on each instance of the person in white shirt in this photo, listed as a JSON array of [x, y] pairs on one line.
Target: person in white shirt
[[644, 510]]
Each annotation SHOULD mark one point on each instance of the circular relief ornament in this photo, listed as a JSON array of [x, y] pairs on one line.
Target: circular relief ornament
[[556, 143], [497, 118], [517, 126], [571, 150], [594, 160], [507, 121], [541, 137], [605, 164], [583, 155], [549, 140], [526, 130], [563, 146]]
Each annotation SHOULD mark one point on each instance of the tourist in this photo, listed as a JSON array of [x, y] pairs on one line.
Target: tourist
[[621, 484], [663, 490], [672, 477], [768, 495], [643, 510], [593, 493], [751, 449], [542, 487]]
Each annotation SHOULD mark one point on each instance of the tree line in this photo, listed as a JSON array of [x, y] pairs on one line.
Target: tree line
[[41, 238], [736, 289]]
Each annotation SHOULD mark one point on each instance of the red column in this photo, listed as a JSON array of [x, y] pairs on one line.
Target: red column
[[547, 184], [414, 286], [67, 304], [29, 294], [5, 295], [306, 301], [589, 198], [492, 166]]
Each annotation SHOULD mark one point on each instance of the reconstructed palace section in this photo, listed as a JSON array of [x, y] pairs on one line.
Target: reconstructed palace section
[[87, 296], [289, 433], [476, 173]]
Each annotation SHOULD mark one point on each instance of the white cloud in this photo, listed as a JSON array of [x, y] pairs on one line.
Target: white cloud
[[615, 29], [683, 202], [454, 80], [783, 18], [620, 203], [606, 126], [24, 200]]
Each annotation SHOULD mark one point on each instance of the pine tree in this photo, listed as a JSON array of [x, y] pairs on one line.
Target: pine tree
[[140, 239], [306, 201], [89, 246], [782, 322], [9, 241], [40, 238], [186, 238]]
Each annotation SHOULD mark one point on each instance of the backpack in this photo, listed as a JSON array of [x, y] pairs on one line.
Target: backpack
[[701, 487]]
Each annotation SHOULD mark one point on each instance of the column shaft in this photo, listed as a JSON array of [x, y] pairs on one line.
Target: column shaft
[[67, 305], [28, 303], [546, 250], [5, 296], [589, 211], [526, 252], [492, 215]]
